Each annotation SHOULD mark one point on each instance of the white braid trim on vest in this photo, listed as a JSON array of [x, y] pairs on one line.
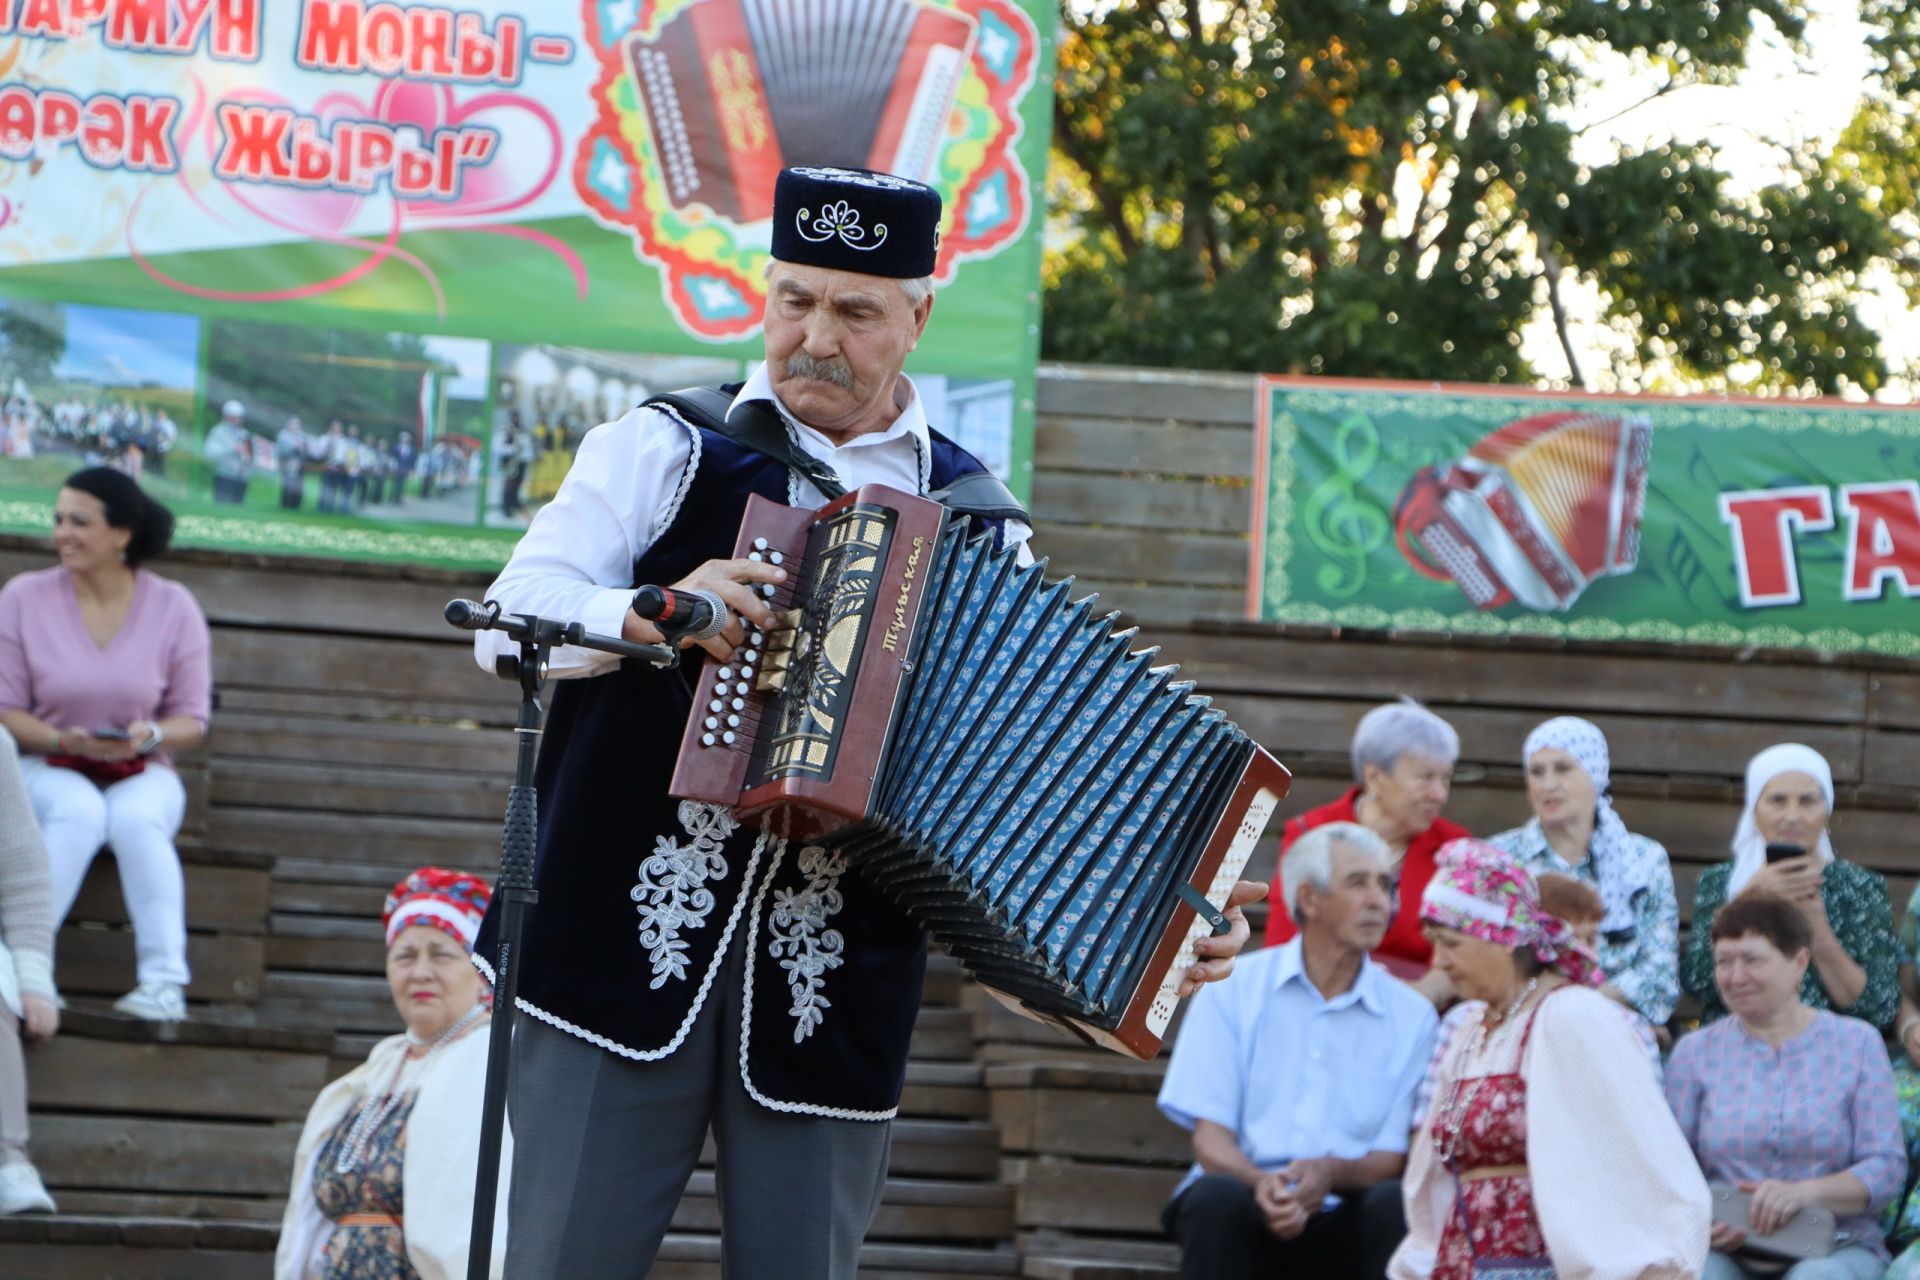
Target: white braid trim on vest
[[700, 997]]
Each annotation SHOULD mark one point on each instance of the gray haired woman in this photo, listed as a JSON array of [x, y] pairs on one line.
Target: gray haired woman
[[1403, 756]]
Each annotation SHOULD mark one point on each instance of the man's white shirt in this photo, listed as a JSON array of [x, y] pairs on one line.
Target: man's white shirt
[[1293, 1075], [575, 563]]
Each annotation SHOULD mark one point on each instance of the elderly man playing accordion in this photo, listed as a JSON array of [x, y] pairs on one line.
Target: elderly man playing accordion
[[680, 969]]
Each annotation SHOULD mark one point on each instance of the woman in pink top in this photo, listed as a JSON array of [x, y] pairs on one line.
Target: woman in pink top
[[104, 667]]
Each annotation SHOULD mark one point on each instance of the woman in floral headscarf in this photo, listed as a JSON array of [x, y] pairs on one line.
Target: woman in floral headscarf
[[1575, 832], [383, 1176], [1545, 1099]]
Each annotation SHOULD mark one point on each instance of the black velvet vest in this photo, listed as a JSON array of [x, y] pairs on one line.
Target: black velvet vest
[[641, 894]]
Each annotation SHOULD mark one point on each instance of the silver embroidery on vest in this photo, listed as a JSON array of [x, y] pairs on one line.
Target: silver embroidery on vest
[[801, 942], [672, 894]]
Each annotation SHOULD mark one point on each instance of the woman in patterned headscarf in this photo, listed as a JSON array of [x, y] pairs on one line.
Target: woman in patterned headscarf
[[1541, 1101], [383, 1177], [1856, 957], [1575, 832]]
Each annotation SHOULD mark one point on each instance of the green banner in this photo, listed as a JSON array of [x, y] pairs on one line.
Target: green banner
[[352, 279], [1496, 512]]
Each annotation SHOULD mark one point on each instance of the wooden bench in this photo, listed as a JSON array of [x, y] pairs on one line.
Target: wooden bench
[[227, 897]]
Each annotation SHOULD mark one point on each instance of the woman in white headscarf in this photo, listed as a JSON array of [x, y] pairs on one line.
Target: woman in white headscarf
[[1856, 958], [1575, 832]]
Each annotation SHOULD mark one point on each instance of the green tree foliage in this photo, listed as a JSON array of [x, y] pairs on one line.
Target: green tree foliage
[[1389, 188], [366, 379], [33, 337]]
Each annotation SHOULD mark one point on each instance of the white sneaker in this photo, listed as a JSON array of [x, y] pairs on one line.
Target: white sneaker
[[21, 1190], [155, 1001]]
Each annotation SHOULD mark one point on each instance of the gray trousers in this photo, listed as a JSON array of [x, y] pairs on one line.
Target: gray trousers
[[604, 1145]]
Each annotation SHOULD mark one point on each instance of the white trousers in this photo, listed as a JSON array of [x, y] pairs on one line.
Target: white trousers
[[138, 817]]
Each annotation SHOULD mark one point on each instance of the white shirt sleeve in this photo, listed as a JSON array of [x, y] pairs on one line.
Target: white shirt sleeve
[[1203, 1079], [575, 563], [1018, 535], [1616, 1187]]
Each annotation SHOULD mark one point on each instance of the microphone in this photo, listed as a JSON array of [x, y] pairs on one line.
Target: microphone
[[681, 615], [471, 616]]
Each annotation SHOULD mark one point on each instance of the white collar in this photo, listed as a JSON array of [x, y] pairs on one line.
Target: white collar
[[912, 420], [1365, 989]]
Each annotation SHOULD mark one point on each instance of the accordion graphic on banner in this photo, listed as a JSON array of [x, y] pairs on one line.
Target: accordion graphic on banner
[[1533, 513], [735, 90]]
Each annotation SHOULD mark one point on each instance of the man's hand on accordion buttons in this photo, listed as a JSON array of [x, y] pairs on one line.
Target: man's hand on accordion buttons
[[1216, 953], [735, 582]]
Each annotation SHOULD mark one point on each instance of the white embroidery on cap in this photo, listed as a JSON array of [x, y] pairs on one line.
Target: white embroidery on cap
[[838, 219]]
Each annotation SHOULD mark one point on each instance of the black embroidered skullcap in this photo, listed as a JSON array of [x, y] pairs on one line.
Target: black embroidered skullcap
[[856, 220]]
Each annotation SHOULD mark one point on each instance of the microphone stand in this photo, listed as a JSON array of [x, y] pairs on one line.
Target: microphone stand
[[537, 638]]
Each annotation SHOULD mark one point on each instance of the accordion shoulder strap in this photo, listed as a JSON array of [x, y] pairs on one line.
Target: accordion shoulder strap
[[981, 493], [755, 426]]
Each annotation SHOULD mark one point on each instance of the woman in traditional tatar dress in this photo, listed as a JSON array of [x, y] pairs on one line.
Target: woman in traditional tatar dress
[[1549, 1142], [383, 1178]]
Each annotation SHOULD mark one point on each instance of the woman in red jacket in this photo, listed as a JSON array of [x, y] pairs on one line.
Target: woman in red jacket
[[1403, 757]]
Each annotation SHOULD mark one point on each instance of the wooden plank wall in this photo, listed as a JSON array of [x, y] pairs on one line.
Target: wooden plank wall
[[1142, 490]]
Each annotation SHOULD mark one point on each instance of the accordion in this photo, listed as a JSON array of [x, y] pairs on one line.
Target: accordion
[[1065, 816], [1534, 512], [735, 90]]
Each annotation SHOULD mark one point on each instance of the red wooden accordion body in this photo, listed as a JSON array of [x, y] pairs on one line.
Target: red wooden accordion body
[[735, 90], [1064, 815]]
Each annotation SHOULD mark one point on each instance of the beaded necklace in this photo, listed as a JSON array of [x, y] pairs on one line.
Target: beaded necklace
[[375, 1114], [1458, 1098]]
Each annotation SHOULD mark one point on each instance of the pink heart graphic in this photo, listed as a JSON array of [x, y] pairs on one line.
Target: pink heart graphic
[[525, 160]]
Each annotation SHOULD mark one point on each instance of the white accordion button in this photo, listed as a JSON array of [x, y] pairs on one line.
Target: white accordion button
[[733, 722], [755, 555], [727, 738], [713, 722], [777, 558], [739, 704], [759, 544], [726, 673], [706, 739], [716, 705]]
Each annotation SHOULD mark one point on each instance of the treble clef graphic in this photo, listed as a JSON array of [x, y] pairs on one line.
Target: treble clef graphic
[[1344, 521]]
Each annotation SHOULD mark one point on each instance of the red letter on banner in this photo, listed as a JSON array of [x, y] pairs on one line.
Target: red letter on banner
[[150, 134], [1883, 523], [43, 18], [138, 24], [313, 155], [1762, 521], [236, 31], [59, 117], [255, 145], [18, 121], [330, 35], [103, 132]]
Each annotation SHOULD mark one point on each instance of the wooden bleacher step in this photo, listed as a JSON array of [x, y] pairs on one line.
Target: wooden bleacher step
[[697, 1257]]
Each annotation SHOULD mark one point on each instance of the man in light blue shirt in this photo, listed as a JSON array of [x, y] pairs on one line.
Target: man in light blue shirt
[[1296, 1076]]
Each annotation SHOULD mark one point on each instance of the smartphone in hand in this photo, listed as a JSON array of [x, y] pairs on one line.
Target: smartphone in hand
[[1781, 852], [111, 735]]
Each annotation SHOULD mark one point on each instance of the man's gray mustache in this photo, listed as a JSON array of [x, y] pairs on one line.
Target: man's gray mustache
[[805, 366]]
